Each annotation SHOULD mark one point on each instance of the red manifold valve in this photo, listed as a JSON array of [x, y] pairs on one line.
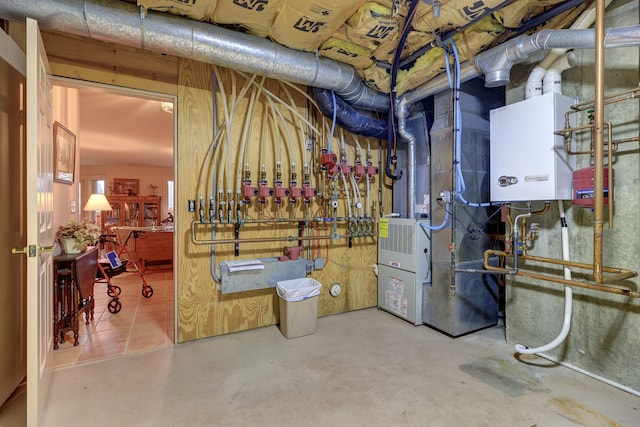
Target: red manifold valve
[[360, 171], [264, 191], [309, 193], [248, 191], [372, 170], [281, 192], [329, 162], [295, 192], [346, 169]]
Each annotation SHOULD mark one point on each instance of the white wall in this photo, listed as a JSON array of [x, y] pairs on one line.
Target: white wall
[[148, 175], [66, 112]]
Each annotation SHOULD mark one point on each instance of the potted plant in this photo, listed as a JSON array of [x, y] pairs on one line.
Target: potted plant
[[75, 236]]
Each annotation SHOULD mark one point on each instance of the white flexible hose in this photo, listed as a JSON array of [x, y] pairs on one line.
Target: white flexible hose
[[357, 196], [346, 190], [566, 326], [568, 296]]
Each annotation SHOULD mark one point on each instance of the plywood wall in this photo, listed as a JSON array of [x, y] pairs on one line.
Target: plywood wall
[[202, 310]]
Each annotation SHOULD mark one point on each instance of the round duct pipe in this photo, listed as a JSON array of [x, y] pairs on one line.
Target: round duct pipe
[[347, 117]]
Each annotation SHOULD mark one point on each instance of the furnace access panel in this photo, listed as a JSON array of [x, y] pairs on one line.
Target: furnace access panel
[[404, 266]]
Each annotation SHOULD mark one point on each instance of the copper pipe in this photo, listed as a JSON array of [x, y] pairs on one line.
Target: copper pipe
[[609, 175], [508, 214], [585, 266], [595, 287], [623, 274], [271, 221], [598, 187], [615, 142], [568, 131], [609, 99], [544, 210], [263, 240], [555, 261], [195, 241]]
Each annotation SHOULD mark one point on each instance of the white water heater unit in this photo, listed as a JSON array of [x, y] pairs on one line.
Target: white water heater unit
[[528, 161]]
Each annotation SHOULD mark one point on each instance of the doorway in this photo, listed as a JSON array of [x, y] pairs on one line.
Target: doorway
[[123, 134]]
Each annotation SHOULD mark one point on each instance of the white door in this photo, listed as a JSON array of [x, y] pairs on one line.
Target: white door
[[39, 223], [13, 332]]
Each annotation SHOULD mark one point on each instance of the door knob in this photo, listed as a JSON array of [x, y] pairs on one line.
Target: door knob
[[31, 250]]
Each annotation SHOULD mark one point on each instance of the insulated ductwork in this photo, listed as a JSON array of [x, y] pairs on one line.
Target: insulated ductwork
[[122, 23], [347, 117]]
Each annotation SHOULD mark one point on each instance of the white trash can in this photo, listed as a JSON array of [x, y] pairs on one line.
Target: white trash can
[[298, 306]]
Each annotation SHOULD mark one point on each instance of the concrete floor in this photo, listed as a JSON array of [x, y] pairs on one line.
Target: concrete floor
[[364, 368]]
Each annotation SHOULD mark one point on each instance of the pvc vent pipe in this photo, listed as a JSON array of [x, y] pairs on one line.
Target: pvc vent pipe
[[496, 63], [552, 80]]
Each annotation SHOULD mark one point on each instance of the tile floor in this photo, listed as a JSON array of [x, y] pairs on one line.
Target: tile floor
[[142, 324]]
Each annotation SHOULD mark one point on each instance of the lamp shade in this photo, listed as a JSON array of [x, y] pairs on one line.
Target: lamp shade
[[97, 202]]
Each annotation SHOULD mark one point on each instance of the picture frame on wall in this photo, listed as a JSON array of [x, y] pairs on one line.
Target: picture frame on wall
[[64, 154], [126, 186]]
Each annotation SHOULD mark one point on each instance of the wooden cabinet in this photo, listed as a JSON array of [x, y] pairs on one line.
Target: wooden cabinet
[[132, 211], [74, 276]]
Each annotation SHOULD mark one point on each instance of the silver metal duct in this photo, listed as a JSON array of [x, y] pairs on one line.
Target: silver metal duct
[[496, 63], [410, 139], [499, 60], [122, 23]]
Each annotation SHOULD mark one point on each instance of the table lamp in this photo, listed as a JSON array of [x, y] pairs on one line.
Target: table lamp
[[97, 203]]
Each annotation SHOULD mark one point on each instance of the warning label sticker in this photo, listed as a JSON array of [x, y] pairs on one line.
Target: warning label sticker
[[394, 296]]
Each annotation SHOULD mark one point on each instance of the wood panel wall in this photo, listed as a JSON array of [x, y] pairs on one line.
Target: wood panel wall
[[219, 314], [202, 310]]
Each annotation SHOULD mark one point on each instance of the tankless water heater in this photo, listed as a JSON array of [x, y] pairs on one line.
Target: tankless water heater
[[528, 161]]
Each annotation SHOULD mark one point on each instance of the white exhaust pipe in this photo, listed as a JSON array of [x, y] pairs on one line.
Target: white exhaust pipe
[[496, 63], [552, 80]]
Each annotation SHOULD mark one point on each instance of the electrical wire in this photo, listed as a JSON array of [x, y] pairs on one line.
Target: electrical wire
[[391, 135]]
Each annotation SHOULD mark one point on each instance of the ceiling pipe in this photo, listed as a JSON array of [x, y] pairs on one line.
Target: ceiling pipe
[[123, 23], [347, 117], [496, 63], [552, 79]]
